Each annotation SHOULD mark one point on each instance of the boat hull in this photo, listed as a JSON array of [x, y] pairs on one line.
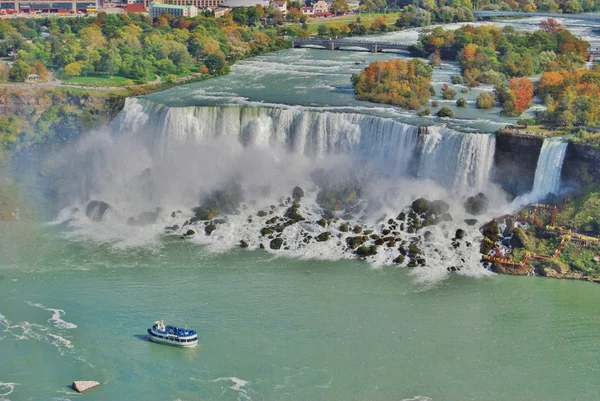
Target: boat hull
[[161, 338], [172, 343]]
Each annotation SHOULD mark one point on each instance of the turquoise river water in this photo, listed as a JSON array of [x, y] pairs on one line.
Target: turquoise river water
[[77, 297]]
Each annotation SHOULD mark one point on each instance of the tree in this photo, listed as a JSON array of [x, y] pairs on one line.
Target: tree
[[73, 69], [550, 26], [19, 71], [486, 100], [340, 7], [522, 89], [215, 63], [322, 31]]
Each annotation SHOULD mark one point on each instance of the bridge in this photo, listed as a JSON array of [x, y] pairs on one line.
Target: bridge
[[337, 44], [485, 14]]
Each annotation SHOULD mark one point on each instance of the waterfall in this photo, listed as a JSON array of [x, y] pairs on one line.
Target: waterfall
[[547, 172], [549, 167], [455, 160]]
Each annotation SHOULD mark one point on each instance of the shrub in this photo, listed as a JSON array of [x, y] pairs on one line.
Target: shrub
[[424, 112], [462, 102], [445, 112], [486, 100], [448, 93], [435, 103], [456, 79], [464, 90]]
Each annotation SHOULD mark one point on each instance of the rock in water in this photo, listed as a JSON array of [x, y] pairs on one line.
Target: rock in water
[[84, 385], [95, 210]]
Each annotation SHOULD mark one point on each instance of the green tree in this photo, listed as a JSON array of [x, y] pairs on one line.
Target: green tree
[[19, 71], [215, 63], [340, 7]]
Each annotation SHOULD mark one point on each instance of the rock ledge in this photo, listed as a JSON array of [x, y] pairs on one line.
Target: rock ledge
[[84, 385]]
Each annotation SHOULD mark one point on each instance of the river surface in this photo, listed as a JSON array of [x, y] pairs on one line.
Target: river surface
[[77, 297], [279, 329]]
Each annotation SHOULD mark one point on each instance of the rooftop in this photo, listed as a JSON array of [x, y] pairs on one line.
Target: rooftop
[[169, 6]]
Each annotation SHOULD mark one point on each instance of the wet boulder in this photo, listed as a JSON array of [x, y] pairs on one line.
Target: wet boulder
[[439, 207], [95, 210], [209, 229], [276, 243], [470, 222], [243, 244], [365, 251], [460, 234], [421, 206], [297, 193], [477, 204], [324, 236]]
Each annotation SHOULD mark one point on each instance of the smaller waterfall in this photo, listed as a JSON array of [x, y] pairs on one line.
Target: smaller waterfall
[[547, 172]]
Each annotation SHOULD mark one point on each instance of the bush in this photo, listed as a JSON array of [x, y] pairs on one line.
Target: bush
[[424, 112], [486, 100], [462, 102], [464, 90], [435, 103], [445, 112], [448, 93], [456, 79]]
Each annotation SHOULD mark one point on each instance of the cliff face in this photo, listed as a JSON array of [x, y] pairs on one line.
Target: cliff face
[[581, 165], [515, 161]]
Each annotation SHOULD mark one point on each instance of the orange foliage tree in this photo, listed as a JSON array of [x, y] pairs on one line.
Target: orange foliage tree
[[522, 89], [403, 83]]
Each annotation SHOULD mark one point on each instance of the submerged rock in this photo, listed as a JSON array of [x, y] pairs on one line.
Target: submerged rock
[[470, 222], [84, 385]]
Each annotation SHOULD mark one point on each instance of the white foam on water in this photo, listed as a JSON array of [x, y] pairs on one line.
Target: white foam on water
[[56, 318], [237, 386], [418, 398], [22, 331], [6, 389]]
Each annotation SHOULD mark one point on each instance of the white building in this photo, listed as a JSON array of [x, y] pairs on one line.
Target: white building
[[320, 7], [280, 5], [158, 9]]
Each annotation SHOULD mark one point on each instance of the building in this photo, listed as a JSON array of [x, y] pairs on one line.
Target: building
[[318, 9], [280, 5], [46, 6], [244, 3], [32, 78], [200, 4], [354, 5], [136, 8], [221, 11], [158, 9]]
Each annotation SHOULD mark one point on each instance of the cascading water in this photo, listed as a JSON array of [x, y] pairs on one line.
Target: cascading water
[[455, 160], [547, 172], [157, 163]]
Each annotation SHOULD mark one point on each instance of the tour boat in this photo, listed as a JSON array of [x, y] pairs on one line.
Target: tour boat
[[172, 335]]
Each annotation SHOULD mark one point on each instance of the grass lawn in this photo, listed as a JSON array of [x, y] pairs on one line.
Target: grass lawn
[[96, 81], [367, 19]]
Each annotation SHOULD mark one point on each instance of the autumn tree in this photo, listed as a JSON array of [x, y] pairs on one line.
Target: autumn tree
[[403, 83]]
